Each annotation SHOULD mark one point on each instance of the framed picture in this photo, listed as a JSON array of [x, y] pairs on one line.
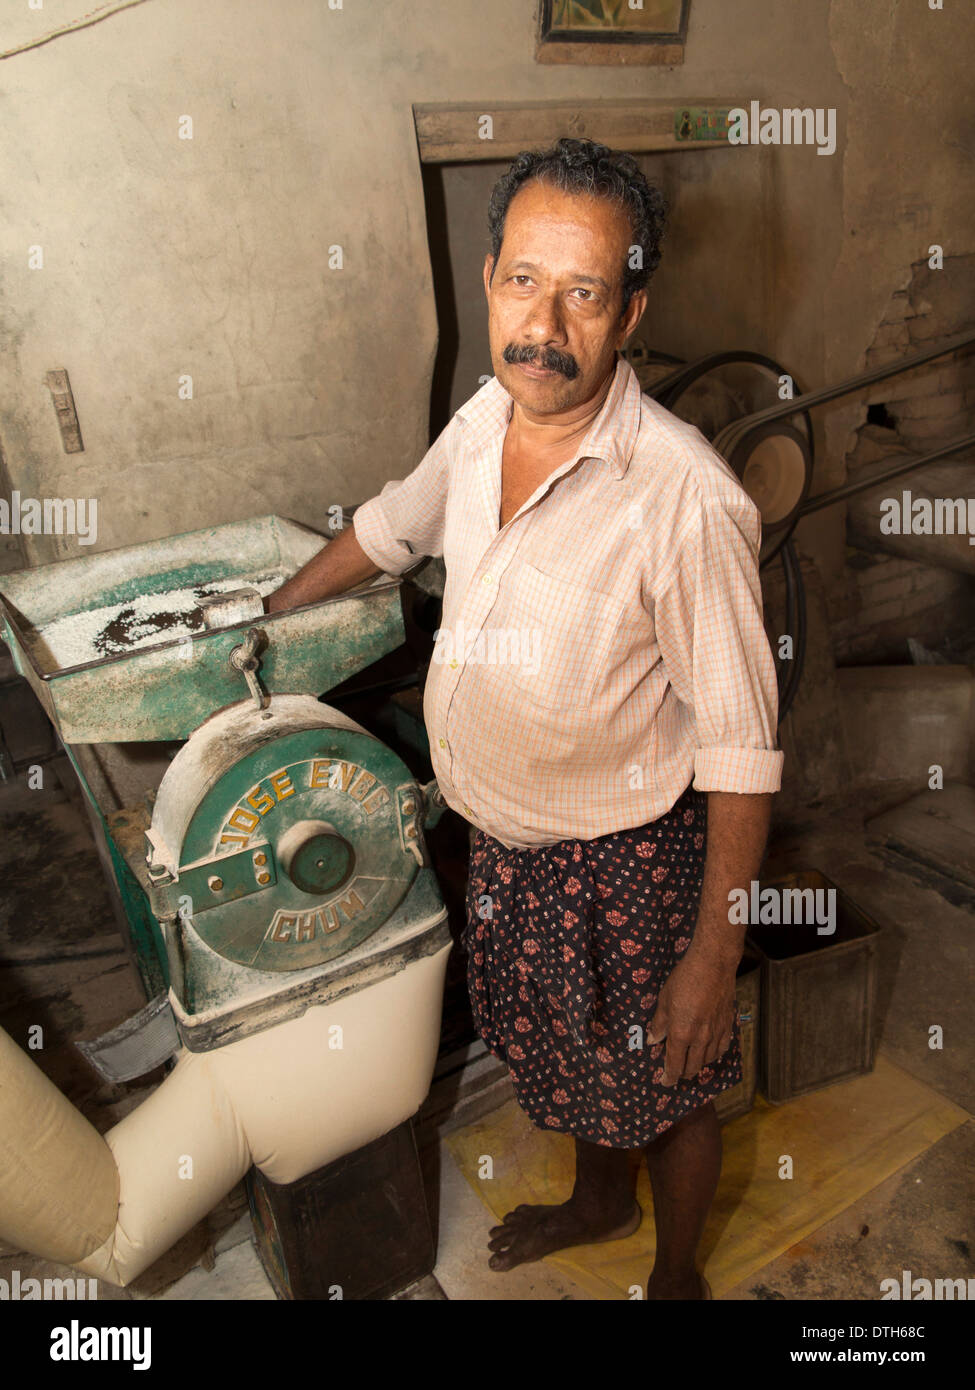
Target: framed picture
[[616, 32]]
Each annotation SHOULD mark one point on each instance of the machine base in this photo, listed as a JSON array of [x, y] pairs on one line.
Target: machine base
[[358, 1228]]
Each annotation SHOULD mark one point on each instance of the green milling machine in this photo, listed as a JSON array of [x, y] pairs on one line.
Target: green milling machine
[[280, 865]]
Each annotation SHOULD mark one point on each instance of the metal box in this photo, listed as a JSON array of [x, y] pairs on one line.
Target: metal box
[[358, 1228], [818, 996]]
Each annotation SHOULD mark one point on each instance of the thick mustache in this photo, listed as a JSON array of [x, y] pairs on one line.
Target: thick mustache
[[549, 358]]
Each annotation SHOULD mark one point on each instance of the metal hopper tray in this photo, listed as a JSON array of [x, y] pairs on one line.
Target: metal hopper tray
[[114, 645]]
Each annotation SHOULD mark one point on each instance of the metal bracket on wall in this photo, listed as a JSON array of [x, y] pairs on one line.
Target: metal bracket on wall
[[60, 388]]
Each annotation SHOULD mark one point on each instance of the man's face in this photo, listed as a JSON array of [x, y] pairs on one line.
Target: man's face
[[555, 303]]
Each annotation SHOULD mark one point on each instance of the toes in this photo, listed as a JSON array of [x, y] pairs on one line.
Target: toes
[[500, 1262], [512, 1245], [519, 1214], [516, 1221], [502, 1241], [512, 1252], [528, 1233], [509, 1225]]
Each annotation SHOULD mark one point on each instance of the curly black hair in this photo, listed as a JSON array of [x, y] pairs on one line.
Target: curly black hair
[[582, 166]]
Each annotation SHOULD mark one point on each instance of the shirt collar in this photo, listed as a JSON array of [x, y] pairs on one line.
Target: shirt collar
[[611, 436]]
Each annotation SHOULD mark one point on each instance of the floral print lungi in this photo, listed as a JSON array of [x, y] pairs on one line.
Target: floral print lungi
[[568, 947]]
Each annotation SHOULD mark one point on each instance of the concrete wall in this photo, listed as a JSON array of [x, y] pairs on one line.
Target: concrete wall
[[898, 722], [210, 256]]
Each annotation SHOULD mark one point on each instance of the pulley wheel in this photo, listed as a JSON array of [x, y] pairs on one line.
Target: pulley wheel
[[717, 394], [774, 463], [652, 368]]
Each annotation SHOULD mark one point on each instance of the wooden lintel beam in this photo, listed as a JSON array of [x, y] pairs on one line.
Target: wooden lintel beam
[[452, 132]]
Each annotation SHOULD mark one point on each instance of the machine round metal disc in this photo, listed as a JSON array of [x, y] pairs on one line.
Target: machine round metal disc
[[315, 856], [293, 848]]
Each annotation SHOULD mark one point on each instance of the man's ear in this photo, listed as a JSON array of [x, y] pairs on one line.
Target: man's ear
[[634, 313], [488, 272]]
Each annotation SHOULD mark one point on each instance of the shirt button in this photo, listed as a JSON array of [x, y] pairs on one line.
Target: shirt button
[[487, 579], [454, 662], [442, 742], [468, 811]]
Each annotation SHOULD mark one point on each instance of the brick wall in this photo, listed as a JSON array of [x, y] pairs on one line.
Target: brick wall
[[886, 598]]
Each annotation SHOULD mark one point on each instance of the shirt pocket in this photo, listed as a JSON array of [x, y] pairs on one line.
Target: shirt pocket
[[564, 634]]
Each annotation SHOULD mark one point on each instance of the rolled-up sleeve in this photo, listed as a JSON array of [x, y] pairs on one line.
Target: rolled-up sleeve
[[716, 654], [405, 521]]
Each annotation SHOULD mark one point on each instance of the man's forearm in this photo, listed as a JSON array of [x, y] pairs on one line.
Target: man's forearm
[[338, 566], [738, 825]]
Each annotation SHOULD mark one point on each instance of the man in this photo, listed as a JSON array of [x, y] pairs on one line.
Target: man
[[619, 762]]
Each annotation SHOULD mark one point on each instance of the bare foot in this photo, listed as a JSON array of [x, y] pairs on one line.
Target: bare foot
[[693, 1287], [528, 1233]]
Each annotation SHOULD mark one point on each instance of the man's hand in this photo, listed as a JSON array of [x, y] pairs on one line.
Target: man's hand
[[695, 1009], [696, 1013]]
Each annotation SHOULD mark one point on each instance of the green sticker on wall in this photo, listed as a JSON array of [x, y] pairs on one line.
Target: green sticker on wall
[[701, 122]]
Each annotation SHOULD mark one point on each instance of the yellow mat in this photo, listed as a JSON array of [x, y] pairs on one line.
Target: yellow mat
[[843, 1141]]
